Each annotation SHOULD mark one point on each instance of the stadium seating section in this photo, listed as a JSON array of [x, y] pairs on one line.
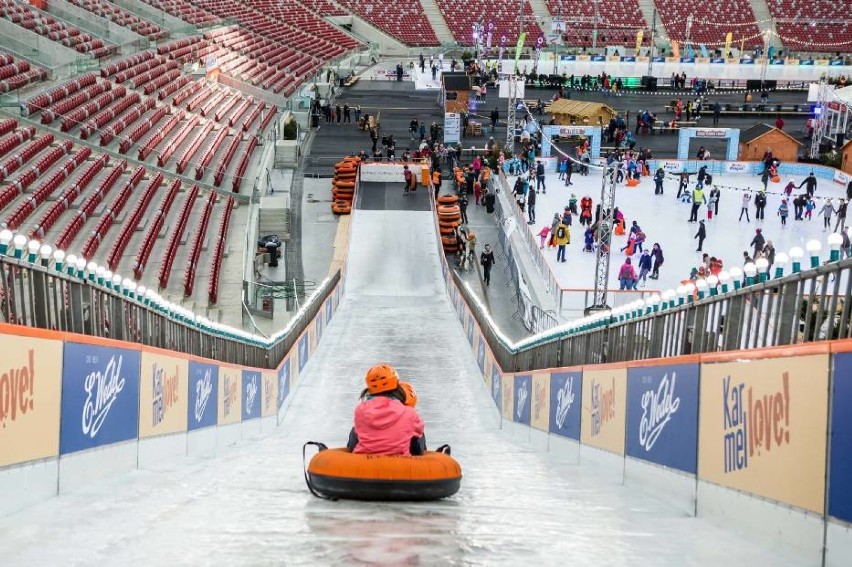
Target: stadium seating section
[[711, 21], [28, 17], [813, 25], [621, 21], [122, 17], [504, 16], [403, 19], [17, 73]]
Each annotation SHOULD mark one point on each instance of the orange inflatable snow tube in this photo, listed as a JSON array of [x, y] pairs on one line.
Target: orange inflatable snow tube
[[447, 200], [632, 182], [337, 473], [343, 184], [341, 207]]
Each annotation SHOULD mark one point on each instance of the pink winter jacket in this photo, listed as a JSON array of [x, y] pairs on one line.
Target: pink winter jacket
[[385, 426]]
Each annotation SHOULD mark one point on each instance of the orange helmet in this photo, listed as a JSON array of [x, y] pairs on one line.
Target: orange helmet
[[410, 394], [381, 378]]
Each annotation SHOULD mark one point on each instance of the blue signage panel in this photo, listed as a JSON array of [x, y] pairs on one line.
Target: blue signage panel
[[523, 396], [480, 354], [687, 59], [319, 325], [496, 385], [628, 59], [717, 60], [567, 57], [203, 395], [598, 58], [100, 396], [566, 395], [840, 471], [776, 62], [809, 62], [836, 63], [470, 327], [329, 309], [659, 59], [283, 382], [662, 415], [304, 351], [747, 61], [251, 394]]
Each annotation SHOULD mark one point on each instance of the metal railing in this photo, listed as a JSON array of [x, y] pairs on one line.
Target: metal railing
[[802, 307], [45, 295]]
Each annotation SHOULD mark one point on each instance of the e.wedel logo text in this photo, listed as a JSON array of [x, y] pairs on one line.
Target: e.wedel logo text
[[102, 389], [658, 407]]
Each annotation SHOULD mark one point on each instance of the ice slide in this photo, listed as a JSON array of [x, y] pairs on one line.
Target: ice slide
[[250, 506]]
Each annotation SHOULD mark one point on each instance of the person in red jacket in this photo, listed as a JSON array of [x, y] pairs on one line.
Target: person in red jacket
[[386, 422]]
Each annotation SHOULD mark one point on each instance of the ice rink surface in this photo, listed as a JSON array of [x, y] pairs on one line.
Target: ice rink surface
[[249, 505], [664, 220], [424, 81]]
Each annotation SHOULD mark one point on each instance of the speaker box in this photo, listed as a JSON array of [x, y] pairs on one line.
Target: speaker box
[[649, 83]]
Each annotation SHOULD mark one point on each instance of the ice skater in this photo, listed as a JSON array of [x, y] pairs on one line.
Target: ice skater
[[701, 235], [744, 209]]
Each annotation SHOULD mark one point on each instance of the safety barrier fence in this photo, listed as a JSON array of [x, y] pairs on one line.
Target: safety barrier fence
[[754, 438], [102, 377], [55, 295]]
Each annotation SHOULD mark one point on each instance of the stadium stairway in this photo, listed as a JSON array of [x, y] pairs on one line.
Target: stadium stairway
[[439, 24]]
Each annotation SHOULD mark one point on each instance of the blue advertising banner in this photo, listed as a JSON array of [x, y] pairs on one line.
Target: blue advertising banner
[[283, 382], [747, 61], [496, 385], [598, 58], [662, 415], [658, 59], [567, 57], [470, 328], [251, 394], [717, 60], [329, 310], [480, 354], [304, 352], [319, 326], [628, 59], [776, 62], [687, 59], [203, 395], [566, 396], [809, 62], [100, 396], [840, 471], [836, 63], [523, 389]]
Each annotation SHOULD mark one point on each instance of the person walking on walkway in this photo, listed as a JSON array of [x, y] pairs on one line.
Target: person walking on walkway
[[487, 260], [759, 205], [701, 235]]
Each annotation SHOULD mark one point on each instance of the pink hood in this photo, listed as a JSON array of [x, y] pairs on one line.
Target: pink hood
[[385, 426]]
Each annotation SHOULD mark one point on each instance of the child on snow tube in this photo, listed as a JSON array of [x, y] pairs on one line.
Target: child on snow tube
[[386, 422]]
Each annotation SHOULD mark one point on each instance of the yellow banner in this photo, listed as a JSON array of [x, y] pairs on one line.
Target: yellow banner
[[540, 410], [640, 35], [230, 395], [30, 390], [163, 394], [604, 409], [729, 37], [763, 427], [270, 394], [508, 389]]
